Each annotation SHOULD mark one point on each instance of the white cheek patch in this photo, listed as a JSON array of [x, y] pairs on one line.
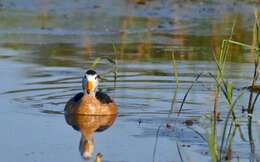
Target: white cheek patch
[[93, 79]]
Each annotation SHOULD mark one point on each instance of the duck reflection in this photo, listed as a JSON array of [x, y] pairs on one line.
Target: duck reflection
[[88, 125]]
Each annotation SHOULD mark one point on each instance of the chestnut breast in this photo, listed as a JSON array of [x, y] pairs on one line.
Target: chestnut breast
[[92, 105], [100, 104]]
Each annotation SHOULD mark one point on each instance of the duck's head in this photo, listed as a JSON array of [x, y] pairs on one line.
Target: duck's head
[[90, 82]]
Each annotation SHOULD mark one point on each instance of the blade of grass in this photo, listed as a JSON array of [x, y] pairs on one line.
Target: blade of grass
[[212, 145], [186, 94], [110, 59], [232, 106], [256, 98], [242, 45], [201, 136], [241, 134], [156, 142], [115, 69], [179, 151], [219, 84], [250, 107], [95, 62], [175, 71]]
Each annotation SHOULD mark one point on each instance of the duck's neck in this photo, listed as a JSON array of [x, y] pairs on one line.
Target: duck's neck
[[91, 93]]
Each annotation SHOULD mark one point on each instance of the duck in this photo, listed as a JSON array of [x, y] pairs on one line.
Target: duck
[[91, 101]]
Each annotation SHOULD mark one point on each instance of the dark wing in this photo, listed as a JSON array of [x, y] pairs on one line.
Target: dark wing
[[102, 128], [103, 98], [75, 127], [69, 105], [77, 97], [70, 119]]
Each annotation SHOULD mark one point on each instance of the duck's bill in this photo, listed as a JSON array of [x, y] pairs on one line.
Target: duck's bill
[[89, 86]]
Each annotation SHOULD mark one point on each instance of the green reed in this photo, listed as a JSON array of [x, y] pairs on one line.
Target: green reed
[[112, 60], [226, 88], [251, 103], [231, 124], [176, 76]]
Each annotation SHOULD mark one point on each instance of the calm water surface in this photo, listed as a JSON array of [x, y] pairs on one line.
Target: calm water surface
[[45, 47]]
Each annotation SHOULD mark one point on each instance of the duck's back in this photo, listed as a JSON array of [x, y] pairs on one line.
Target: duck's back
[[108, 106], [72, 104]]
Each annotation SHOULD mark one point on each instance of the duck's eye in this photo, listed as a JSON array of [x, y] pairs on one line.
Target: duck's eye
[[97, 77]]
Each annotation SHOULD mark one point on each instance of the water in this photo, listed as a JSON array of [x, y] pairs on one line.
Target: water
[[45, 47]]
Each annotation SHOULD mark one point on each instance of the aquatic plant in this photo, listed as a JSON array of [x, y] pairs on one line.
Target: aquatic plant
[[231, 124], [112, 60], [221, 148], [176, 76]]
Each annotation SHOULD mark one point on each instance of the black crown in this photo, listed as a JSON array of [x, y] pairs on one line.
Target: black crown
[[91, 72]]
